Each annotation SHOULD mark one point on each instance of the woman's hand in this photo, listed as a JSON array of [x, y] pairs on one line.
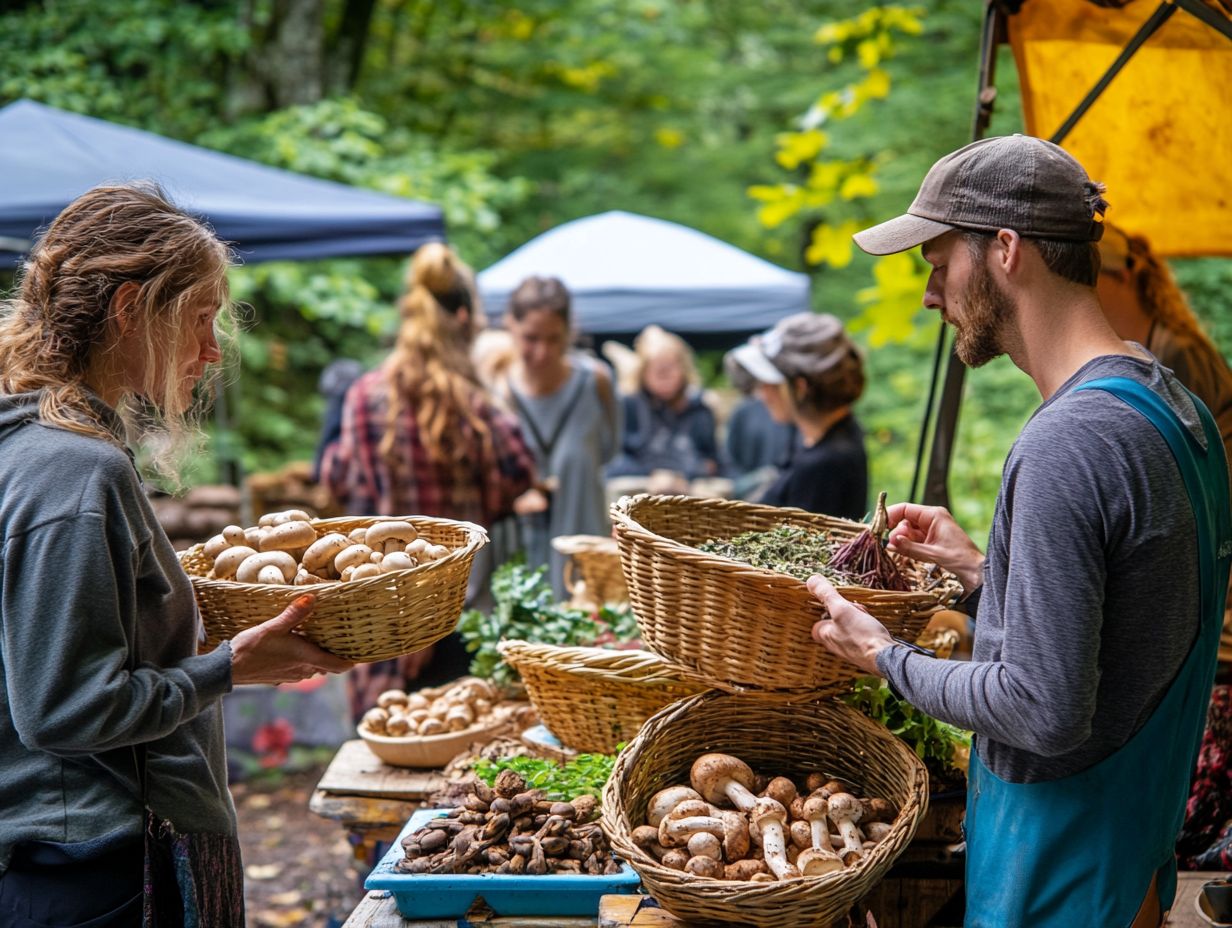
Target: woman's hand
[[272, 652], [929, 533], [532, 501], [850, 632]]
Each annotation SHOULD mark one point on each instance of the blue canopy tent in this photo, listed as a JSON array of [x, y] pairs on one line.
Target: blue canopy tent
[[626, 271], [48, 157]]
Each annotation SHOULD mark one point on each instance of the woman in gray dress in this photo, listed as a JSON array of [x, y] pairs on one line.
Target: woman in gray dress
[[569, 417]]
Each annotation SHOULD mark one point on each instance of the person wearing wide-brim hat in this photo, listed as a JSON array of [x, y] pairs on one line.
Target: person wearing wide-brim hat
[[809, 373], [1101, 596]]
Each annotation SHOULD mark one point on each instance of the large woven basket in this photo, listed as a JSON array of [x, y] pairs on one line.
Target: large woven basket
[[593, 699], [594, 560], [740, 627], [362, 620], [774, 738]]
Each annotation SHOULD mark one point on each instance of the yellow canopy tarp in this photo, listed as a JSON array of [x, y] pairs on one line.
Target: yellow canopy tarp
[[1160, 136]]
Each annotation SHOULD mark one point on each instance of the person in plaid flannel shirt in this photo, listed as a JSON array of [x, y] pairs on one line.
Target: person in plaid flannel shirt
[[420, 435]]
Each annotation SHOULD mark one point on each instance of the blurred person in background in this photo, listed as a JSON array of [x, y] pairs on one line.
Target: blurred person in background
[[809, 373], [421, 436], [668, 424], [567, 407], [755, 445]]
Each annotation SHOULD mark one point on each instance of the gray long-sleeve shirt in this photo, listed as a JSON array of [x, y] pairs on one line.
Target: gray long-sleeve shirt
[[1090, 596], [98, 638]]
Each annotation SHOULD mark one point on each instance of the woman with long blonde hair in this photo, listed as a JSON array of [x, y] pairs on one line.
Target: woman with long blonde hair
[[114, 796], [421, 436]]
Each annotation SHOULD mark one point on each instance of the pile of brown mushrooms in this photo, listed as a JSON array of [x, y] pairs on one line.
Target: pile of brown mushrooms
[[283, 548], [511, 829], [432, 711], [731, 824]]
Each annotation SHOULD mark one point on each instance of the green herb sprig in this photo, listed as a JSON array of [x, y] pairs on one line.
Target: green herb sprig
[[937, 743], [585, 775]]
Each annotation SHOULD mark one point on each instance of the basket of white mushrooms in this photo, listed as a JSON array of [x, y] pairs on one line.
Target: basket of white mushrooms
[[745, 810], [384, 587]]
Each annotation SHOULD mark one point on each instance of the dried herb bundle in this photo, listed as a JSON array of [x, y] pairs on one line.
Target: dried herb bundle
[[865, 559], [787, 549]]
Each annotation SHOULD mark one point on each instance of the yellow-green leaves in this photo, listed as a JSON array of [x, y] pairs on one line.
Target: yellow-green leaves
[[891, 304], [832, 244]]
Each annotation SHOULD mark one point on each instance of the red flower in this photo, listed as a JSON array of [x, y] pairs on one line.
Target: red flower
[[272, 741]]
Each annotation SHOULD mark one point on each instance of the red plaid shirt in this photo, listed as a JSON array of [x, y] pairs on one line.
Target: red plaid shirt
[[480, 487]]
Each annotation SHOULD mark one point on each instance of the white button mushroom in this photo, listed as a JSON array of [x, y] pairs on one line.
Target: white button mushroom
[[819, 857], [289, 536], [215, 546], [251, 566], [366, 571], [665, 800], [253, 536], [417, 547], [289, 515], [397, 560], [228, 562], [357, 535], [392, 535], [352, 556], [234, 535], [319, 556], [271, 575]]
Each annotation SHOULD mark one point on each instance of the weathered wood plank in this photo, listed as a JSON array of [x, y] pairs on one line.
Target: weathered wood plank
[[356, 771]]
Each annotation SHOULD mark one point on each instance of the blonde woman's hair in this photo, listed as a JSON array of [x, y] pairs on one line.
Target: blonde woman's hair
[[653, 342], [56, 332], [430, 366]]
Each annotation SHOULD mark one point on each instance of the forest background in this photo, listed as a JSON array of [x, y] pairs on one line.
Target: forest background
[[779, 126]]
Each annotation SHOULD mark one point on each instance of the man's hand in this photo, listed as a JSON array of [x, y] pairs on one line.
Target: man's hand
[[273, 653], [929, 533], [850, 632], [532, 501]]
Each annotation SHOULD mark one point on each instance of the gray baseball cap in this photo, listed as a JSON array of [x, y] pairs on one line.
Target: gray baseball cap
[[1015, 182], [810, 345]]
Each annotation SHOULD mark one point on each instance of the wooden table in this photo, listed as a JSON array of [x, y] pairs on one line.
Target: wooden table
[[370, 799], [378, 910]]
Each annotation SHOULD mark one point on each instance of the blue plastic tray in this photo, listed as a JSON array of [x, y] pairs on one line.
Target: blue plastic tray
[[437, 895]]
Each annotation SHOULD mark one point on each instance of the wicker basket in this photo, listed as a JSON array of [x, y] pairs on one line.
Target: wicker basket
[[774, 738], [739, 627], [595, 560], [592, 699], [362, 620]]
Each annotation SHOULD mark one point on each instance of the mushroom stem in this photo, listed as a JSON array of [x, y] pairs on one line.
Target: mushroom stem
[[845, 811], [770, 817]]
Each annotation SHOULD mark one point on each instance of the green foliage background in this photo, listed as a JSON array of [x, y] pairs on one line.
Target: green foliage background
[[515, 118]]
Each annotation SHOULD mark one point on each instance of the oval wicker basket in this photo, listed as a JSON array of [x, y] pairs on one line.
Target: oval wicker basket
[[740, 627], [596, 561], [362, 620], [593, 699], [775, 738]]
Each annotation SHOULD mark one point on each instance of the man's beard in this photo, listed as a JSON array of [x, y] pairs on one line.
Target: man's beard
[[985, 308]]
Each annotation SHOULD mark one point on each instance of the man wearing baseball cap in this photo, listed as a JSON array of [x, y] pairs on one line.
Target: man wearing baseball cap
[[1100, 598]]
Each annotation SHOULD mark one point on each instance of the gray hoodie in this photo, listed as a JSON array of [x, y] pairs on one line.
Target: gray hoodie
[[98, 641]]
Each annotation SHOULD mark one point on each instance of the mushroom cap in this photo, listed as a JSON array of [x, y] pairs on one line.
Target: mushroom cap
[[397, 560], [879, 810], [877, 831], [711, 772], [816, 861], [289, 515], [817, 806], [251, 566], [766, 810], [352, 556], [845, 807], [704, 844], [364, 571], [665, 800], [216, 546], [323, 551], [744, 869], [289, 536], [675, 859], [271, 575], [735, 836], [704, 866], [644, 836], [782, 789], [393, 530], [228, 562]]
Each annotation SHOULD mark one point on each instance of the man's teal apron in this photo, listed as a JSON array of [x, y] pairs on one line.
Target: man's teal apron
[[1081, 851]]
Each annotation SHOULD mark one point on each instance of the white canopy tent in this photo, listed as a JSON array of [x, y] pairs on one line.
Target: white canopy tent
[[627, 271]]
